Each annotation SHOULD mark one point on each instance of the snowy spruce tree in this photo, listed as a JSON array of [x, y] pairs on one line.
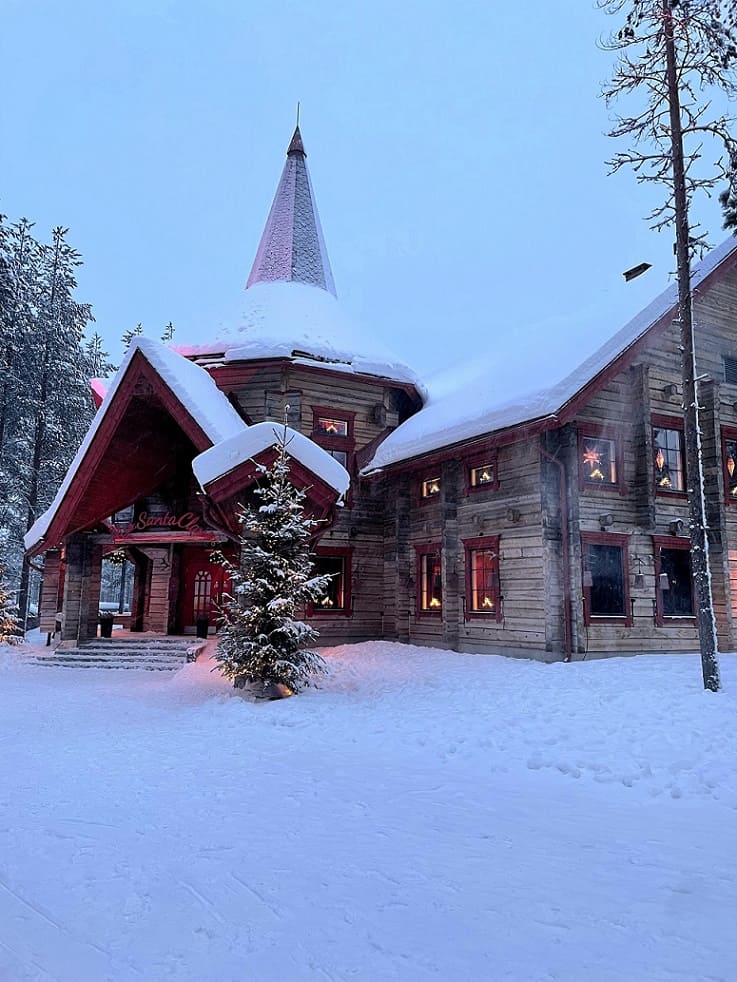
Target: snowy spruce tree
[[9, 629], [263, 642]]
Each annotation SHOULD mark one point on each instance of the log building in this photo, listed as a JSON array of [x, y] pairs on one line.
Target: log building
[[553, 526]]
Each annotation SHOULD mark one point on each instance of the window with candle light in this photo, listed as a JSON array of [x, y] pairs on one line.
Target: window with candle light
[[481, 473], [332, 429], [668, 456], [430, 579], [430, 487], [336, 564], [483, 598], [599, 457]]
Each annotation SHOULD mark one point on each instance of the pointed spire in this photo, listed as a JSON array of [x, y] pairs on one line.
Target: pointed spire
[[292, 247]]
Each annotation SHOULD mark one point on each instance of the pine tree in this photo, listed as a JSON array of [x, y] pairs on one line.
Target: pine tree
[[262, 642], [168, 334], [98, 360], [9, 629], [129, 335]]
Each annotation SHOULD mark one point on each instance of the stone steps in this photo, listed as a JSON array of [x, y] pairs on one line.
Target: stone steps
[[150, 654]]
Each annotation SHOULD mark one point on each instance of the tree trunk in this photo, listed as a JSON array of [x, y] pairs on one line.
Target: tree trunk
[[694, 459]]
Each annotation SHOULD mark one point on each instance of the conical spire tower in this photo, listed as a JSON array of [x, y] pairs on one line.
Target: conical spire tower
[[292, 247]]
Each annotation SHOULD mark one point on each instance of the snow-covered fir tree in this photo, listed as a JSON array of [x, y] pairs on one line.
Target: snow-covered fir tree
[[98, 360], [262, 641], [45, 402], [168, 335], [9, 630]]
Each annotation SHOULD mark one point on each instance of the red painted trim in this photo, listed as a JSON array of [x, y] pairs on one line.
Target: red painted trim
[[425, 549], [670, 542], [491, 458], [139, 369], [472, 545], [156, 538], [345, 552], [607, 539], [728, 433], [597, 431]]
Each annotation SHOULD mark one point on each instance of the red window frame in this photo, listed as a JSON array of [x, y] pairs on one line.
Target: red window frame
[[335, 442], [427, 549], [345, 553], [595, 431], [661, 618], [481, 460], [660, 422], [607, 539], [729, 434], [429, 475], [482, 543]]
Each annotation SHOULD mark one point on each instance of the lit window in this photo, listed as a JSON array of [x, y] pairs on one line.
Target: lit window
[[431, 582], [675, 582], [328, 426], [730, 467], [482, 564], [481, 476], [668, 459], [431, 487], [335, 598], [598, 461]]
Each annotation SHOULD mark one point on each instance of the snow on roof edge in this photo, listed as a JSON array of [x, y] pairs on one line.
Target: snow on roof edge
[[515, 412], [221, 459]]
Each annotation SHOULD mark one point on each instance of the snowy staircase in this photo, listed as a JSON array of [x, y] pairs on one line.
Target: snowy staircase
[[141, 654]]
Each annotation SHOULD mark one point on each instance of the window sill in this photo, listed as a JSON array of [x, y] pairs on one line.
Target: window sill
[[621, 619], [677, 495]]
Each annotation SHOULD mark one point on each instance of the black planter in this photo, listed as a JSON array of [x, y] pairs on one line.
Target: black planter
[[202, 624], [106, 628]]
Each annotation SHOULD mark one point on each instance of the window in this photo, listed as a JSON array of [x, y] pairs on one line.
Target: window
[[340, 455], [599, 458], [431, 487], [673, 579], [605, 582], [335, 563], [328, 426], [332, 429], [730, 370], [668, 457], [481, 473], [729, 456], [483, 598], [430, 580]]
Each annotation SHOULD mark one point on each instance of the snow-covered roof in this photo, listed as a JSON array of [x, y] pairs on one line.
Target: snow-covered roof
[[218, 461], [292, 246], [471, 407], [191, 384], [296, 320]]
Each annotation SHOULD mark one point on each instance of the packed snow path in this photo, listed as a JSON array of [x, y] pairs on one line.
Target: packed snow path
[[423, 815]]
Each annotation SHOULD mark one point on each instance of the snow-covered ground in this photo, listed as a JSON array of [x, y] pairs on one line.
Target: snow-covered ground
[[422, 816]]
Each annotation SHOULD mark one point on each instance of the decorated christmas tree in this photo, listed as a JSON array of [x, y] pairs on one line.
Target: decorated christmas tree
[[9, 628], [262, 641]]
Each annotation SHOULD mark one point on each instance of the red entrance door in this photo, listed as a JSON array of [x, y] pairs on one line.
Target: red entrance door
[[202, 586]]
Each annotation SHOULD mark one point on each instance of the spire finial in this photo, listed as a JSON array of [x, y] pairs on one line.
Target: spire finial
[[296, 146], [298, 114]]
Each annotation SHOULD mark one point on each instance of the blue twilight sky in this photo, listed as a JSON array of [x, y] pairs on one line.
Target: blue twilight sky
[[457, 153]]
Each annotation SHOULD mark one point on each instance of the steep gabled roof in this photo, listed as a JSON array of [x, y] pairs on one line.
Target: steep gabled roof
[[210, 420], [470, 410], [292, 246]]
